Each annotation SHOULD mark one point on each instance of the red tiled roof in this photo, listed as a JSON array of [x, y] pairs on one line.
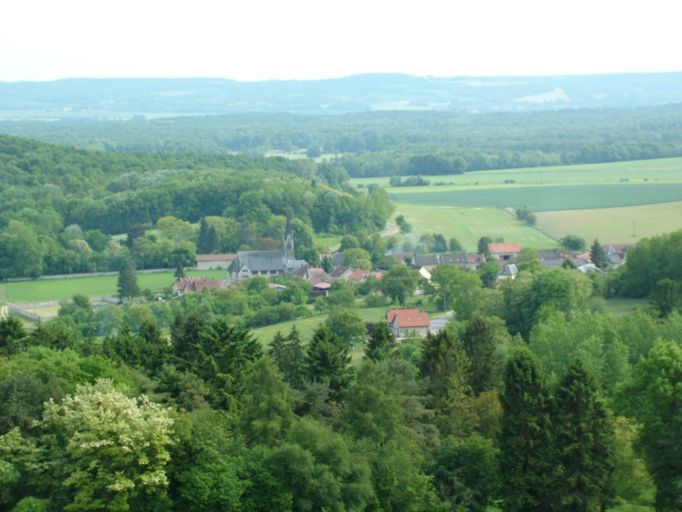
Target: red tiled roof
[[408, 317], [504, 247]]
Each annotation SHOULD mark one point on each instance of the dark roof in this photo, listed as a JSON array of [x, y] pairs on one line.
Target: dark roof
[[461, 258], [424, 260], [337, 259], [258, 261]]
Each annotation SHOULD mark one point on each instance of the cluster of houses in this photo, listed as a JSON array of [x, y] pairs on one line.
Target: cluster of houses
[[244, 265]]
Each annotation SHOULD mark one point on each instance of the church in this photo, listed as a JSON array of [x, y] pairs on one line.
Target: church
[[248, 264]]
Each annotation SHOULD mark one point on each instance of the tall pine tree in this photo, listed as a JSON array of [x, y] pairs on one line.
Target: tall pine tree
[[479, 343], [527, 461], [445, 366], [328, 361], [127, 281], [381, 341], [584, 440]]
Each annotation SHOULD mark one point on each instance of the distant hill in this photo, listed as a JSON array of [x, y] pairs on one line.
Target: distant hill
[[123, 98]]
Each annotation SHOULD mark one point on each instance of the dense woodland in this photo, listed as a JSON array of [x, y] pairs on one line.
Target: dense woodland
[[59, 207], [534, 398], [394, 143]]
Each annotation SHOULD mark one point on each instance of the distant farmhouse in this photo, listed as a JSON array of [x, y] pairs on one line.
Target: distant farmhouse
[[504, 251], [249, 264]]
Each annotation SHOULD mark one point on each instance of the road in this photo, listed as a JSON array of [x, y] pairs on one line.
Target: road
[[4, 311]]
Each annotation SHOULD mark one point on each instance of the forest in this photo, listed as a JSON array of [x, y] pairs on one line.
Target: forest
[[392, 143], [61, 209], [534, 398]]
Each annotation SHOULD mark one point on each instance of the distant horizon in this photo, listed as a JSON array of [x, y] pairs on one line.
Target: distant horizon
[[346, 76]]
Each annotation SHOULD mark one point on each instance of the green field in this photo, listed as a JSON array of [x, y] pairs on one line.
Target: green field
[[614, 225], [469, 224], [60, 289], [547, 198], [664, 169]]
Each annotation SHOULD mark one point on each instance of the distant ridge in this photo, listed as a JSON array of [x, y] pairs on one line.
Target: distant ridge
[[128, 97]]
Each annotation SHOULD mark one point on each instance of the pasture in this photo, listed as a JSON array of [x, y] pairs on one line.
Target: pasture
[[38, 290], [469, 224], [614, 225], [541, 198], [617, 202]]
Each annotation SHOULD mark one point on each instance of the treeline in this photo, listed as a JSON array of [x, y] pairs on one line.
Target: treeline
[[532, 399], [395, 143], [60, 207]]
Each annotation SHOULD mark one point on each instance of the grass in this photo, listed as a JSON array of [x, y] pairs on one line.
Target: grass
[[614, 225], [469, 224], [39, 290], [326, 242], [547, 198], [663, 169], [620, 307]]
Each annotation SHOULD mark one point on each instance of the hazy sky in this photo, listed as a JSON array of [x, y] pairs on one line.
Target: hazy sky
[[302, 39]]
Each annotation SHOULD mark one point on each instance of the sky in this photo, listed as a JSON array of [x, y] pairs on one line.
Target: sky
[[305, 39]]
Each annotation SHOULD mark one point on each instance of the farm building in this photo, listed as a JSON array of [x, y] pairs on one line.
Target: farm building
[[215, 261], [504, 251], [196, 284], [406, 322], [466, 260]]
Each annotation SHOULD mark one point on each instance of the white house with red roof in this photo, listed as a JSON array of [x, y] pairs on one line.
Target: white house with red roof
[[408, 322]]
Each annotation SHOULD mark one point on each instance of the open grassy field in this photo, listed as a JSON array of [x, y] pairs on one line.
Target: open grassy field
[[546, 197], [469, 224], [663, 169], [614, 225], [60, 289]]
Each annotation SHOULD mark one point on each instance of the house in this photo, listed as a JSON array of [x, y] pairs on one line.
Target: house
[[408, 322], [215, 261], [249, 264], [342, 273], [403, 257], [465, 260], [510, 271], [504, 251], [616, 254], [195, 284], [552, 258], [425, 260], [337, 259], [320, 289]]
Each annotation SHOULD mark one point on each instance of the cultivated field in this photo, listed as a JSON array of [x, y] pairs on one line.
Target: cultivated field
[[469, 224], [614, 225], [60, 289], [615, 202]]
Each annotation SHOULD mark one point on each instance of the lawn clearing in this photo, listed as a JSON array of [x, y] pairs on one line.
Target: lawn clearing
[[614, 225], [468, 225], [39, 290]]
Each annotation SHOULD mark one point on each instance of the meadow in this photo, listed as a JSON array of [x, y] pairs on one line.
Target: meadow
[[614, 225], [467, 225], [617, 202], [38, 290]]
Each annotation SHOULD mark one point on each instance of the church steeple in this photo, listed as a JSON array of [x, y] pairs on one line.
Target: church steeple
[[289, 253]]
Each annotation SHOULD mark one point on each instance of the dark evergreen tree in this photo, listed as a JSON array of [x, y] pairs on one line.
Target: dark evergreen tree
[[584, 440], [381, 342], [527, 461], [278, 351], [11, 333], [598, 255], [328, 361], [185, 334], [666, 296], [295, 370], [445, 366], [479, 343], [209, 240], [127, 281], [483, 245], [155, 349]]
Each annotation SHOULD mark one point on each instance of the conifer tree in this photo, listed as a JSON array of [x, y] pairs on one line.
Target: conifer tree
[[179, 270], [127, 281], [584, 439], [527, 463], [478, 340], [445, 365], [598, 255], [380, 343], [278, 351], [328, 361], [295, 370]]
